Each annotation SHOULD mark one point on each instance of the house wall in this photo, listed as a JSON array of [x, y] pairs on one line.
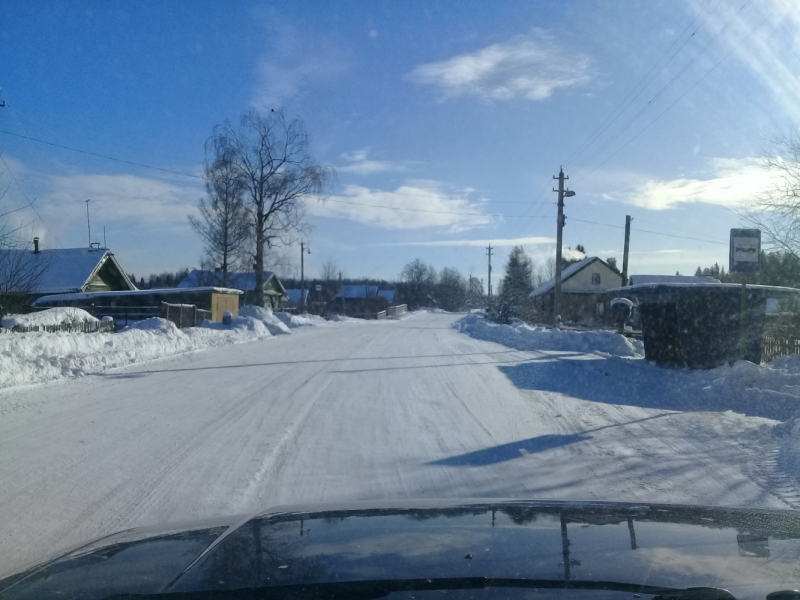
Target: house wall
[[582, 280], [579, 308], [107, 279]]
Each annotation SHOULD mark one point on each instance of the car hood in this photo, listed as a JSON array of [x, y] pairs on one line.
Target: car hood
[[416, 548]]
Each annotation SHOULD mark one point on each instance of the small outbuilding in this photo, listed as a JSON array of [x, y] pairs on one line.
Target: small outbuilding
[[274, 293]]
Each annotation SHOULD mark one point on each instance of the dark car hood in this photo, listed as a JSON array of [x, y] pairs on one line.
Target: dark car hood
[[412, 548]]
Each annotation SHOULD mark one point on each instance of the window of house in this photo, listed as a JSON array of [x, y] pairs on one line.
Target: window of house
[[595, 278]]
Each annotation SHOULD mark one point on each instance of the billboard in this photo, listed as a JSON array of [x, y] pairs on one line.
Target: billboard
[[745, 251]]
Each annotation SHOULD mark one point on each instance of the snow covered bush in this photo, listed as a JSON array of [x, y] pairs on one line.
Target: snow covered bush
[[51, 316]]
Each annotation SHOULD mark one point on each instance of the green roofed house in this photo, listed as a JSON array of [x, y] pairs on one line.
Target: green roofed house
[[274, 293], [60, 271]]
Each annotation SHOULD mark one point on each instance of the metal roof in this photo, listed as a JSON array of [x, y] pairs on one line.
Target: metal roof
[[65, 270]]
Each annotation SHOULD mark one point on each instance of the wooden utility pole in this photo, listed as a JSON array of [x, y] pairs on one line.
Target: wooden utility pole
[[341, 291], [301, 304], [88, 223], [489, 289], [625, 251], [561, 220]]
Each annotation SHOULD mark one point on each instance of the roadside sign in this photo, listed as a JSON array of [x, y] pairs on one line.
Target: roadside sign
[[318, 287], [745, 251]]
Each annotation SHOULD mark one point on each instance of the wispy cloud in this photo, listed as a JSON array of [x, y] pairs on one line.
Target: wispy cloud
[[732, 183], [123, 198], [532, 66], [498, 242], [417, 205], [359, 163], [292, 61]]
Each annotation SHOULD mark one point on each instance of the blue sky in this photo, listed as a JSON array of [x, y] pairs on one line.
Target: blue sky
[[445, 122]]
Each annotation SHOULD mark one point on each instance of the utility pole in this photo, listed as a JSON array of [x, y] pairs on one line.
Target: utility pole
[[88, 224], [561, 221], [341, 291], [625, 251], [489, 288], [302, 302]]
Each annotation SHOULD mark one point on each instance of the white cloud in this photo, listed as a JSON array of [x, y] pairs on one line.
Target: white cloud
[[733, 183], [413, 206], [361, 164], [501, 242], [123, 198], [531, 66], [292, 61]]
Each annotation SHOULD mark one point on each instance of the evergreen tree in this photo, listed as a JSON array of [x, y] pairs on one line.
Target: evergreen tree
[[516, 286]]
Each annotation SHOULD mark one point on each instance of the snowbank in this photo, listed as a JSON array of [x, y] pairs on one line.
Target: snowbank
[[265, 315], [28, 358], [525, 337], [294, 321], [51, 316]]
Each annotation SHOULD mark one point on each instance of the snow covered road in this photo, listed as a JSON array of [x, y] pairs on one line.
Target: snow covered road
[[356, 411]]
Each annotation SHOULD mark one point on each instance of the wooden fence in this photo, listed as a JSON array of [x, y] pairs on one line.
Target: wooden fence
[[184, 315], [780, 342], [84, 327], [395, 311]]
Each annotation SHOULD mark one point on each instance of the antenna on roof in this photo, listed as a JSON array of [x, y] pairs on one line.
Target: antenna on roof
[[104, 237], [88, 223]]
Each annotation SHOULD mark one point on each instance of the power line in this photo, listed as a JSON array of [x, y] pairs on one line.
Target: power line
[[120, 160], [93, 139], [683, 237], [679, 98], [28, 200], [664, 88], [642, 85], [438, 212]]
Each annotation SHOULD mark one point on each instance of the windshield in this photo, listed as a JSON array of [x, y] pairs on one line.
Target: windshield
[[304, 253]]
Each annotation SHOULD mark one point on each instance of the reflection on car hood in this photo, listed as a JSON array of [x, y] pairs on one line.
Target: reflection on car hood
[[448, 545]]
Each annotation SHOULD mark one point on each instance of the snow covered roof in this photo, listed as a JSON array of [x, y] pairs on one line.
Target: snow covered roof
[[565, 274], [637, 279], [358, 291], [388, 294], [241, 281], [44, 300], [66, 269]]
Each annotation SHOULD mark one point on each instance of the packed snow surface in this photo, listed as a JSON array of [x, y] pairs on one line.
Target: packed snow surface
[[391, 409], [51, 316]]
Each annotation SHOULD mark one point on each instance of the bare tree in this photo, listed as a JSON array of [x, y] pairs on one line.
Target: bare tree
[[776, 212], [419, 283], [20, 269], [330, 270], [223, 224], [270, 155]]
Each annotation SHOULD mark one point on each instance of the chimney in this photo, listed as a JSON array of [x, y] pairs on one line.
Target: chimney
[[36, 245]]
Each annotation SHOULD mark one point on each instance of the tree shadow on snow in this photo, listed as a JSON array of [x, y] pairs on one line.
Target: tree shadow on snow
[[512, 450], [615, 380], [506, 452]]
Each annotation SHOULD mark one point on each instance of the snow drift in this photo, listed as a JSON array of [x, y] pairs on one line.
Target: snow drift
[[265, 315], [525, 337], [295, 321]]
